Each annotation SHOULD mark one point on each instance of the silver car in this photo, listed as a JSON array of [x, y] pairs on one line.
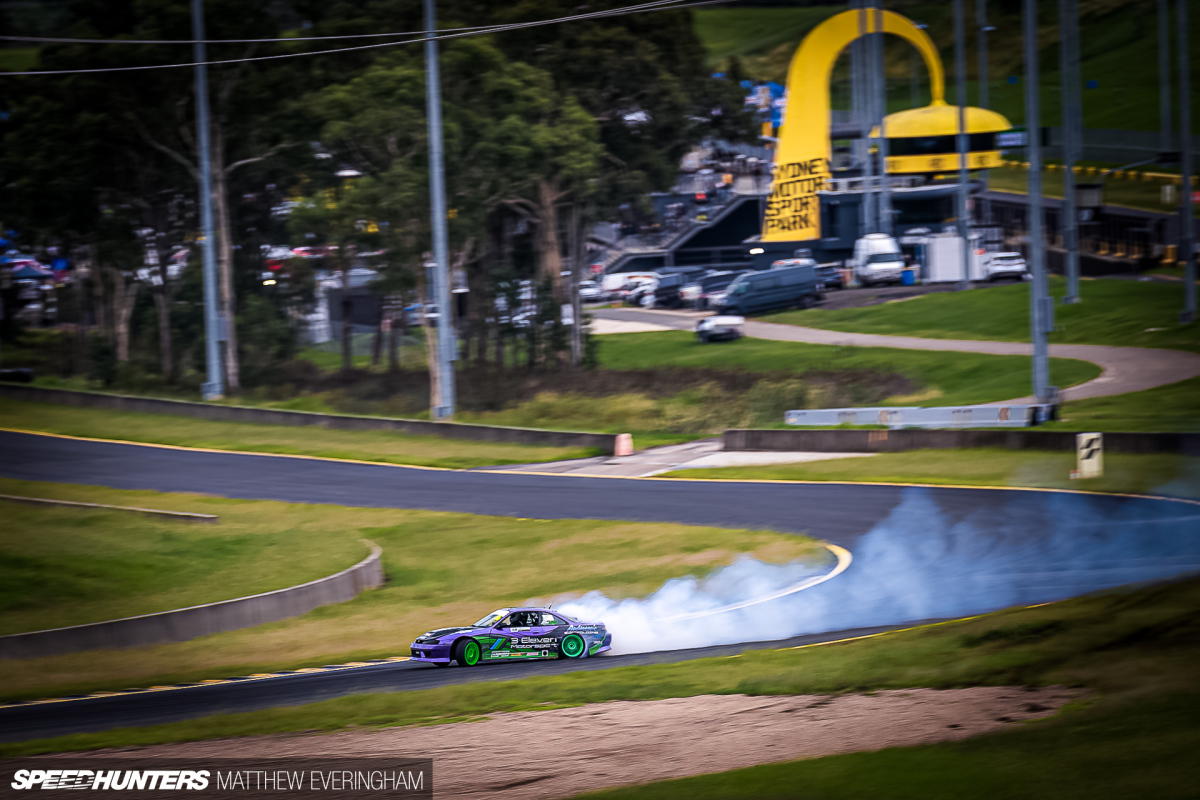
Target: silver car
[[1006, 265]]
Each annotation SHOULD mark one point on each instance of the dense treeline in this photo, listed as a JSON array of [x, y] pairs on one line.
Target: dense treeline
[[546, 129]]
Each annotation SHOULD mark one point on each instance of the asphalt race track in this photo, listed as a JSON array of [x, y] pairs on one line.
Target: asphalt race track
[[20, 723], [920, 553]]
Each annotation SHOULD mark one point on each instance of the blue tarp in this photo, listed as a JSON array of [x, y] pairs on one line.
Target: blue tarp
[[28, 271]]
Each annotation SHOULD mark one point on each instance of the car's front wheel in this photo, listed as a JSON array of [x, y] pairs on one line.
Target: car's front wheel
[[572, 646], [467, 652]]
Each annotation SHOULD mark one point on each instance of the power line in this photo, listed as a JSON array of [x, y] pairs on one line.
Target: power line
[[274, 39], [659, 5]]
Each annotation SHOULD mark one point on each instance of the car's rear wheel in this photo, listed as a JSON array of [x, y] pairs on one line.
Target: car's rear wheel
[[467, 652], [572, 646]]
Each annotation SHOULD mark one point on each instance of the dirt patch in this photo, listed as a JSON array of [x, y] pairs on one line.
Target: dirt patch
[[562, 752]]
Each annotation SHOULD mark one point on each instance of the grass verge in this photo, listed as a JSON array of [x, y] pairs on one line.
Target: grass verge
[[441, 570], [1174, 407], [1113, 312], [383, 446], [946, 378], [69, 566], [1161, 474], [1127, 645]]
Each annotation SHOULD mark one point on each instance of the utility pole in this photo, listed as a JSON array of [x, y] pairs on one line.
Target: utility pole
[[1040, 310], [1187, 220], [1164, 75], [214, 388], [447, 348], [885, 189], [862, 101], [960, 74], [984, 100], [576, 275], [1072, 126]]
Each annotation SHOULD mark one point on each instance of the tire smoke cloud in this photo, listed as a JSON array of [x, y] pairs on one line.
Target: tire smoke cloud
[[921, 563]]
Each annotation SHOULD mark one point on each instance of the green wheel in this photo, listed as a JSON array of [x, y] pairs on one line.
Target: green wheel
[[467, 652], [572, 646]]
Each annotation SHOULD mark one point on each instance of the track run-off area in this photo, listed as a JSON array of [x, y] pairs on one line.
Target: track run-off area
[[920, 553]]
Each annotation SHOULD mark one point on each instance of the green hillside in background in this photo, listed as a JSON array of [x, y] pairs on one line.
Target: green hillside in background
[[1118, 43]]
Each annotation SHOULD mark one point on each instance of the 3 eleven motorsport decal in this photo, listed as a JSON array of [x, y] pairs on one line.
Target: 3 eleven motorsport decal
[[543, 646]]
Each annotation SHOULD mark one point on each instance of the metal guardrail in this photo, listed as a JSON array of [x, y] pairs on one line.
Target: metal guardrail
[[1012, 416]]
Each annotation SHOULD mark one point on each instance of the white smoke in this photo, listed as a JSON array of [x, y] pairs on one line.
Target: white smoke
[[642, 625], [921, 562]]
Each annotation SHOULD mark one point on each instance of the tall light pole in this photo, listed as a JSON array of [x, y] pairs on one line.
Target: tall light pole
[[1164, 75], [862, 102], [1072, 127], [885, 189], [960, 74], [1187, 220], [1040, 310], [447, 347], [982, 79], [214, 387]]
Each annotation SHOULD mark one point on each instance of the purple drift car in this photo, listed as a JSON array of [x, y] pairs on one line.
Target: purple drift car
[[513, 634]]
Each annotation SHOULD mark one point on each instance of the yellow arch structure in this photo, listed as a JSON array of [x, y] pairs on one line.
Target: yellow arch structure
[[802, 158]]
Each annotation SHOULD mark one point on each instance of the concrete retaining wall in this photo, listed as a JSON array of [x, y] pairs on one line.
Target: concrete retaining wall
[[884, 441], [605, 442], [188, 623], [178, 516]]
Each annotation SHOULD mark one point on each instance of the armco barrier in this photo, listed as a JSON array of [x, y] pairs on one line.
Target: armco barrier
[[889, 441], [605, 442], [188, 623], [1012, 416]]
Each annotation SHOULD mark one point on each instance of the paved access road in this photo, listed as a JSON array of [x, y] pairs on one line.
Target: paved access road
[[1125, 369], [919, 553]]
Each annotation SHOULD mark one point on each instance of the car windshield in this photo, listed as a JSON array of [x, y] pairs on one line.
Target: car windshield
[[491, 619], [883, 258]]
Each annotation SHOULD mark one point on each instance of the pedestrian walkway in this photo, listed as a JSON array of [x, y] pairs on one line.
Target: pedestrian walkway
[[1124, 369]]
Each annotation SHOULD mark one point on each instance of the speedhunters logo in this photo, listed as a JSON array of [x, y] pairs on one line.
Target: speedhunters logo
[[278, 778], [119, 779]]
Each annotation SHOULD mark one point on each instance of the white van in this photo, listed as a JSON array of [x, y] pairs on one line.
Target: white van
[[877, 259]]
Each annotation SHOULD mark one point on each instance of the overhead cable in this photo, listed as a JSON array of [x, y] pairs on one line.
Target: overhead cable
[[454, 33]]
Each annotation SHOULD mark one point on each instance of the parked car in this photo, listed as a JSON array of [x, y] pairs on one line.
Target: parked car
[[756, 292], [877, 259], [637, 290], [830, 276], [667, 291], [698, 293], [1006, 265], [589, 292], [720, 328]]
